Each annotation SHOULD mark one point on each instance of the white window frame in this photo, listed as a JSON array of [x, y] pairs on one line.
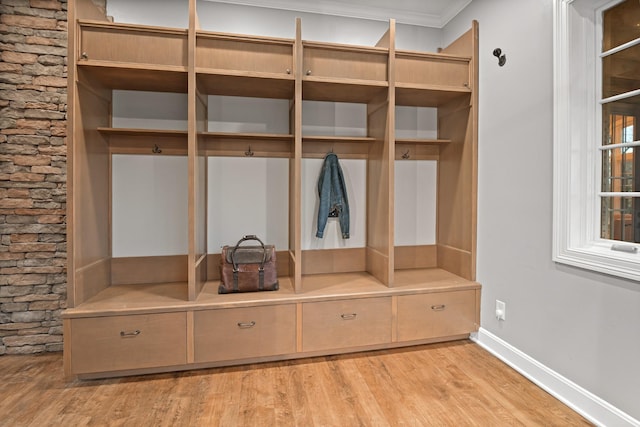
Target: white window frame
[[577, 138]]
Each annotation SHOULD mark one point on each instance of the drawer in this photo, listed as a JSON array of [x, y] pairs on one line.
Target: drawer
[[247, 332], [435, 315], [103, 344], [346, 323]]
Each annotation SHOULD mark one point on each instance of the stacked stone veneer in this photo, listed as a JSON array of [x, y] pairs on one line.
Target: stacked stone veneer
[[33, 104]]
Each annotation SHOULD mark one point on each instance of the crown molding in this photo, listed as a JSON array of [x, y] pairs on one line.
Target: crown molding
[[337, 8]]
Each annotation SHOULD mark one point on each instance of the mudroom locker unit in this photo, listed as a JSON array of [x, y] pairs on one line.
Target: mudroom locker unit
[[132, 310]]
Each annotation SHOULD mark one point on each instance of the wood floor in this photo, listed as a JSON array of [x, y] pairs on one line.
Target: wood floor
[[451, 384]]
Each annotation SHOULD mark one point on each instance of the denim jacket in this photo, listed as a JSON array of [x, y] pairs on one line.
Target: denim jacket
[[333, 196]]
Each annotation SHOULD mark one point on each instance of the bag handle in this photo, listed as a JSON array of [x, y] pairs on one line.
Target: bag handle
[[244, 239]]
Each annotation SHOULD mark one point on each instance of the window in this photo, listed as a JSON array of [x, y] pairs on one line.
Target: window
[[596, 136]]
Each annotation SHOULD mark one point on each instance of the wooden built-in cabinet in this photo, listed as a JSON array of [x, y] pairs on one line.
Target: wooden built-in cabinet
[[141, 314]]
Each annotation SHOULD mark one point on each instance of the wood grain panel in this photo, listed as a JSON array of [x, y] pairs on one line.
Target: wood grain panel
[[152, 269], [333, 260], [240, 333], [129, 76], [213, 265], [457, 261], [463, 45], [91, 279], [424, 256], [113, 42], [89, 213], [380, 197], [128, 342], [345, 63], [434, 315], [244, 54], [415, 68], [346, 323]]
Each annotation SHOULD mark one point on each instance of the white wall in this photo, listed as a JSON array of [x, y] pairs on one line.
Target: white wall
[[582, 325]]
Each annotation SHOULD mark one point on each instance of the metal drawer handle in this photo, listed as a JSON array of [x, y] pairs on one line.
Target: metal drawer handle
[[246, 325], [348, 316], [438, 307], [130, 334]]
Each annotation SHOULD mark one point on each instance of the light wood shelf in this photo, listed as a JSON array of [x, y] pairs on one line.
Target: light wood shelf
[[128, 76], [425, 95], [169, 297], [242, 83], [145, 141]]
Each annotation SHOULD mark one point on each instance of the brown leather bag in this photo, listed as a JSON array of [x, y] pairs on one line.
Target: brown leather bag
[[248, 268]]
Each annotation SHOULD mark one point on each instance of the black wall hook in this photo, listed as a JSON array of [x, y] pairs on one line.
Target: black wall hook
[[502, 59]]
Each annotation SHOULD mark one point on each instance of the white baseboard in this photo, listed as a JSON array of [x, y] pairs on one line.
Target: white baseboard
[[588, 405]]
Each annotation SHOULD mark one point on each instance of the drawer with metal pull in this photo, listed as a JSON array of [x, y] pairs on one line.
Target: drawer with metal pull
[[115, 343], [346, 323], [245, 332], [433, 315]]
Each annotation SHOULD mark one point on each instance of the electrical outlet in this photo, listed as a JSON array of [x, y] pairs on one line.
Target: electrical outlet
[[501, 310]]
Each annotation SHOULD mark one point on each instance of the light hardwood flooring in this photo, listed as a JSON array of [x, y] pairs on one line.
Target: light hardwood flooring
[[449, 384]]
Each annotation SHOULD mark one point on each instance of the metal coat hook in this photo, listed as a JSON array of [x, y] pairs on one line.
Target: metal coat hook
[[249, 153], [502, 58], [406, 155], [156, 149]]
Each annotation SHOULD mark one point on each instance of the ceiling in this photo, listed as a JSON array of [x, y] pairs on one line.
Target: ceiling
[[428, 13]]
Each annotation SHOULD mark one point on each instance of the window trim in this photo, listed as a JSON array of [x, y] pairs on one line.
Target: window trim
[[576, 161]]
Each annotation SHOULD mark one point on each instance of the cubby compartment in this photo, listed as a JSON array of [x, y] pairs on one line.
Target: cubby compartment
[[124, 56], [417, 68], [343, 73], [245, 196], [229, 64]]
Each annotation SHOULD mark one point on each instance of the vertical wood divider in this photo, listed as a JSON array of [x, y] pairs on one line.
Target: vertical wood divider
[[194, 281], [299, 327], [380, 125], [391, 135], [72, 95], [474, 68], [394, 318], [191, 348], [295, 184]]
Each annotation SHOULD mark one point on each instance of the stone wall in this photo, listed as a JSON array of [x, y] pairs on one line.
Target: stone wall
[[33, 103]]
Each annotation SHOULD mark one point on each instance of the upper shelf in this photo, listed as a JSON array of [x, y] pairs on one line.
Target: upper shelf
[[430, 79], [145, 141], [127, 76], [123, 56], [130, 57], [230, 64]]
